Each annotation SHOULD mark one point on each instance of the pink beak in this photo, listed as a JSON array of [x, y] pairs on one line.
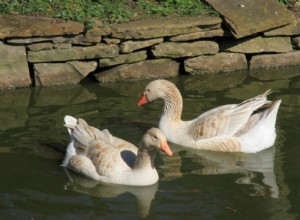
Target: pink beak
[[142, 100]]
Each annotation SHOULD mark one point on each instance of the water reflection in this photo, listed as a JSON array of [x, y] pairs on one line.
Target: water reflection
[[248, 166], [32, 127], [144, 195], [217, 82], [275, 74]]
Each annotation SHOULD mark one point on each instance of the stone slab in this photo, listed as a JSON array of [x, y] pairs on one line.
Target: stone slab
[[198, 35], [148, 69], [177, 50], [268, 61], [261, 45], [14, 71], [221, 62], [247, 17], [57, 74], [74, 53], [160, 27], [29, 40], [29, 26], [123, 58], [291, 29], [40, 46], [130, 46]]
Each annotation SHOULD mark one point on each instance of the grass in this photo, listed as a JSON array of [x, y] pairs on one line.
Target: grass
[[110, 11], [113, 11]]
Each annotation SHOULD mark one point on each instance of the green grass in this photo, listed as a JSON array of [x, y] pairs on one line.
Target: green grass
[[291, 4], [112, 11]]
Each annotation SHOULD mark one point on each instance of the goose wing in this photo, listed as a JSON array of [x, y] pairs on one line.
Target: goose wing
[[227, 119]]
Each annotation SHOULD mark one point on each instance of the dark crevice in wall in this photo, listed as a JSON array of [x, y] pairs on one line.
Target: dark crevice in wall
[[31, 73]]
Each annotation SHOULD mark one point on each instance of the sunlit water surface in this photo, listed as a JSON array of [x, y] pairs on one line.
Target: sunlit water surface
[[193, 184]]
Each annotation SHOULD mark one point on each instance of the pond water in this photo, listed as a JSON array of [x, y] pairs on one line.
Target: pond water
[[193, 184]]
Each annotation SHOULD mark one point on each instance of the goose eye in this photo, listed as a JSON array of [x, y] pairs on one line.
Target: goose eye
[[148, 90], [155, 138]]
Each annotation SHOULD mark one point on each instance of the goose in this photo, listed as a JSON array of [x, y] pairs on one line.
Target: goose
[[247, 127], [103, 157]]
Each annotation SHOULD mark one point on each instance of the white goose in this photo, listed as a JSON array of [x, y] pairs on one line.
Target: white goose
[[245, 127], [99, 155]]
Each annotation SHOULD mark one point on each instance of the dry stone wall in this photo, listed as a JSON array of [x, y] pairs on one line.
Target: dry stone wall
[[37, 51]]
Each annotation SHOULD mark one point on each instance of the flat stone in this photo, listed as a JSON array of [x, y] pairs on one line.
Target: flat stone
[[99, 28], [123, 58], [261, 45], [245, 17], [109, 40], [62, 46], [148, 69], [198, 35], [79, 39], [56, 74], [176, 50], [94, 35], [29, 26], [14, 72], [86, 40], [146, 34], [130, 46], [287, 30], [36, 40], [221, 62], [84, 68], [40, 46], [160, 27], [268, 61], [74, 53]]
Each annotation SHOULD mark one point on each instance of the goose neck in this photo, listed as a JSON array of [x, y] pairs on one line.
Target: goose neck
[[144, 158], [173, 105]]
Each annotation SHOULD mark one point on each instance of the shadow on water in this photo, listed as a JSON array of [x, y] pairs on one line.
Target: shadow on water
[[193, 184]]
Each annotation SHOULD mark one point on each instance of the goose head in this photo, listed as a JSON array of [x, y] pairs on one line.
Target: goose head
[[154, 139], [154, 90]]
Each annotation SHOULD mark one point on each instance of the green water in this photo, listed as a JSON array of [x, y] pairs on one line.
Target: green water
[[193, 184]]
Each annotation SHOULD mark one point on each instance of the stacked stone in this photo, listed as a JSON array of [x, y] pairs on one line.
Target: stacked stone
[[46, 52], [153, 48]]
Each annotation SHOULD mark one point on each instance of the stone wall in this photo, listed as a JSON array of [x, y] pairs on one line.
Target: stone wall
[[37, 51]]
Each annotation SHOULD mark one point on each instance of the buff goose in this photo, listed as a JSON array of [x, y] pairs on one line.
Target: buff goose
[[100, 156], [247, 127]]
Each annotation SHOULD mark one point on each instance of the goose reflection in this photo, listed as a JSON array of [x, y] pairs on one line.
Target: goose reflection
[[250, 166], [144, 194]]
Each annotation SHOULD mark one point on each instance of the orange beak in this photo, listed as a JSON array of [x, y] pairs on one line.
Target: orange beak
[[142, 100], [165, 147]]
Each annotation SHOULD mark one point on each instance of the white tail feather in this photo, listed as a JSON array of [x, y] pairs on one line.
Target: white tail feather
[[70, 123], [263, 134]]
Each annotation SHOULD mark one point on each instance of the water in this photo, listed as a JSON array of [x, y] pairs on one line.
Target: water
[[193, 184]]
